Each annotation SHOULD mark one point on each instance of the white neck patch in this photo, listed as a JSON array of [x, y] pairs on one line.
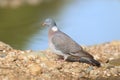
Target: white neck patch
[[54, 28]]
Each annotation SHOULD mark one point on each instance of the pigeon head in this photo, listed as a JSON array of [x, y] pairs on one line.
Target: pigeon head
[[49, 22]]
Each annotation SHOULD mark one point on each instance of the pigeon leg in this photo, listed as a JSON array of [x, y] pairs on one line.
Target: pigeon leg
[[65, 57]]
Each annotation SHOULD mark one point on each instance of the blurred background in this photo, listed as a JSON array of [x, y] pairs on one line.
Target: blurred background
[[88, 22]]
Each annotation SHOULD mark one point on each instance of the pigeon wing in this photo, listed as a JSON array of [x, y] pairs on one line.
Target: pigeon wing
[[65, 44]]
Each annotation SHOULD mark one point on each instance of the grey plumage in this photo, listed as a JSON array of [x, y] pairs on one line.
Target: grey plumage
[[63, 45]]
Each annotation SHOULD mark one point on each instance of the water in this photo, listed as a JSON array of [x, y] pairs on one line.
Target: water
[[88, 22]]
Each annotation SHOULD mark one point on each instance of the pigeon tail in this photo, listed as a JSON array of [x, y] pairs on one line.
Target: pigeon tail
[[90, 61], [84, 60]]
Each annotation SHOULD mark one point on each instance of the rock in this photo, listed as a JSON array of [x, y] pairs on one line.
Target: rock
[[4, 46], [115, 62], [115, 43], [35, 69], [3, 54], [109, 78]]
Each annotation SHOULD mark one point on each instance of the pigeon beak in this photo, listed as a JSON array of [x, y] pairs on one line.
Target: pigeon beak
[[43, 24]]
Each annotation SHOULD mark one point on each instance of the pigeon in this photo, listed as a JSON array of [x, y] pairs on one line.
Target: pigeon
[[63, 45]]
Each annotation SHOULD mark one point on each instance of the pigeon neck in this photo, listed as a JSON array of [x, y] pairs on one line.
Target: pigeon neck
[[52, 31], [54, 28]]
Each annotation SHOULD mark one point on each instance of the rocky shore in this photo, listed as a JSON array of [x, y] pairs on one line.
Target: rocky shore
[[43, 65]]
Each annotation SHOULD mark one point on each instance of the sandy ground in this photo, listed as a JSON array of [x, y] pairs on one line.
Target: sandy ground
[[43, 65]]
